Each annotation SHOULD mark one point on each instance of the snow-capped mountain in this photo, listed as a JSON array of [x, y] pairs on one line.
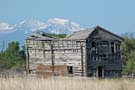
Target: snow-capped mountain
[[54, 25], [19, 31], [30, 25], [57, 26]]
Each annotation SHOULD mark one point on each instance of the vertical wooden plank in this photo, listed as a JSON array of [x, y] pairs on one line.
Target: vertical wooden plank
[[110, 47], [82, 58], [97, 72], [114, 48], [103, 73], [52, 57], [27, 59], [43, 49]]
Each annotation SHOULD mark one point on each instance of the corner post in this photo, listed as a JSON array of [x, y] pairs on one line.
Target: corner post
[[52, 58], [27, 59], [81, 47]]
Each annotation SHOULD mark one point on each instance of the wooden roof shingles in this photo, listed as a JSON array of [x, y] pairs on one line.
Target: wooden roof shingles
[[82, 34], [41, 36]]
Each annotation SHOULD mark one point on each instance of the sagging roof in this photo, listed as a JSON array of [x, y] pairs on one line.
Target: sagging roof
[[41, 36]]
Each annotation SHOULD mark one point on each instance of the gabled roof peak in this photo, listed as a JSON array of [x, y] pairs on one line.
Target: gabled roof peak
[[84, 34]]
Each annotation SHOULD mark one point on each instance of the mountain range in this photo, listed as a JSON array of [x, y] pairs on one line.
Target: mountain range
[[18, 32]]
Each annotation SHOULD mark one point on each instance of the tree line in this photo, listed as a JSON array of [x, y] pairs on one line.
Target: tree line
[[13, 58]]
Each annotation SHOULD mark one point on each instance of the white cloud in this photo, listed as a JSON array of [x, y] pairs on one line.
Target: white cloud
[[58, 21], [5, 27]]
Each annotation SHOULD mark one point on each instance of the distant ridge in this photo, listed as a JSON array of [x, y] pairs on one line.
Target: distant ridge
[[18, 32]]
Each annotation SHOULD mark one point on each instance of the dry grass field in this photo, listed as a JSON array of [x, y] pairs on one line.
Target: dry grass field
[[31, 83]]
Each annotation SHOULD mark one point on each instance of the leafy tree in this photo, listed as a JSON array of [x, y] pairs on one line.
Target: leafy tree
[[128, 54], [13, 48], [127, 47], [12, 58], [130, 66]]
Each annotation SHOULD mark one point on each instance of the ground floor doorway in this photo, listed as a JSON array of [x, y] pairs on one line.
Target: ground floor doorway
[[70, 69], [100, 71]]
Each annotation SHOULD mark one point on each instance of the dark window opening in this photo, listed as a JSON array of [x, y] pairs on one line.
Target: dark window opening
[[93, 44], [112, 47], [103, 47], [70, 69], [104, 55], [117, 47], [94, 49]]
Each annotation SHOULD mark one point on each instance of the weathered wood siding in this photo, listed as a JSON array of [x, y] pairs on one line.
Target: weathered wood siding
[[65, 52], [103, 50], [100, 53]]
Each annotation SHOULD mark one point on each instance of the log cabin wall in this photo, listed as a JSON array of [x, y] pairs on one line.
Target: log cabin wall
[[65, 52]]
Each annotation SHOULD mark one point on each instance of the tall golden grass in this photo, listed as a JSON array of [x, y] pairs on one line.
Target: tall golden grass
[[31, 83]]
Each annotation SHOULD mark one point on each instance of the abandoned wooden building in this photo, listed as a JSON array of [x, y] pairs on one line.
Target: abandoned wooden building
[[93, 52]]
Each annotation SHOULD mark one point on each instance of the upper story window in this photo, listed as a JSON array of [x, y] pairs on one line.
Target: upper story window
[[103, 47], [94, 48], [115, 47], [112, 47]]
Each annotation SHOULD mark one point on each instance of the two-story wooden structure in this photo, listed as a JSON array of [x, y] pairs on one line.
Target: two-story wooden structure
[[93, 52]]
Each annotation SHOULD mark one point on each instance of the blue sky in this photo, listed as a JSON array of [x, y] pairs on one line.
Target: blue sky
[[116, 15]]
